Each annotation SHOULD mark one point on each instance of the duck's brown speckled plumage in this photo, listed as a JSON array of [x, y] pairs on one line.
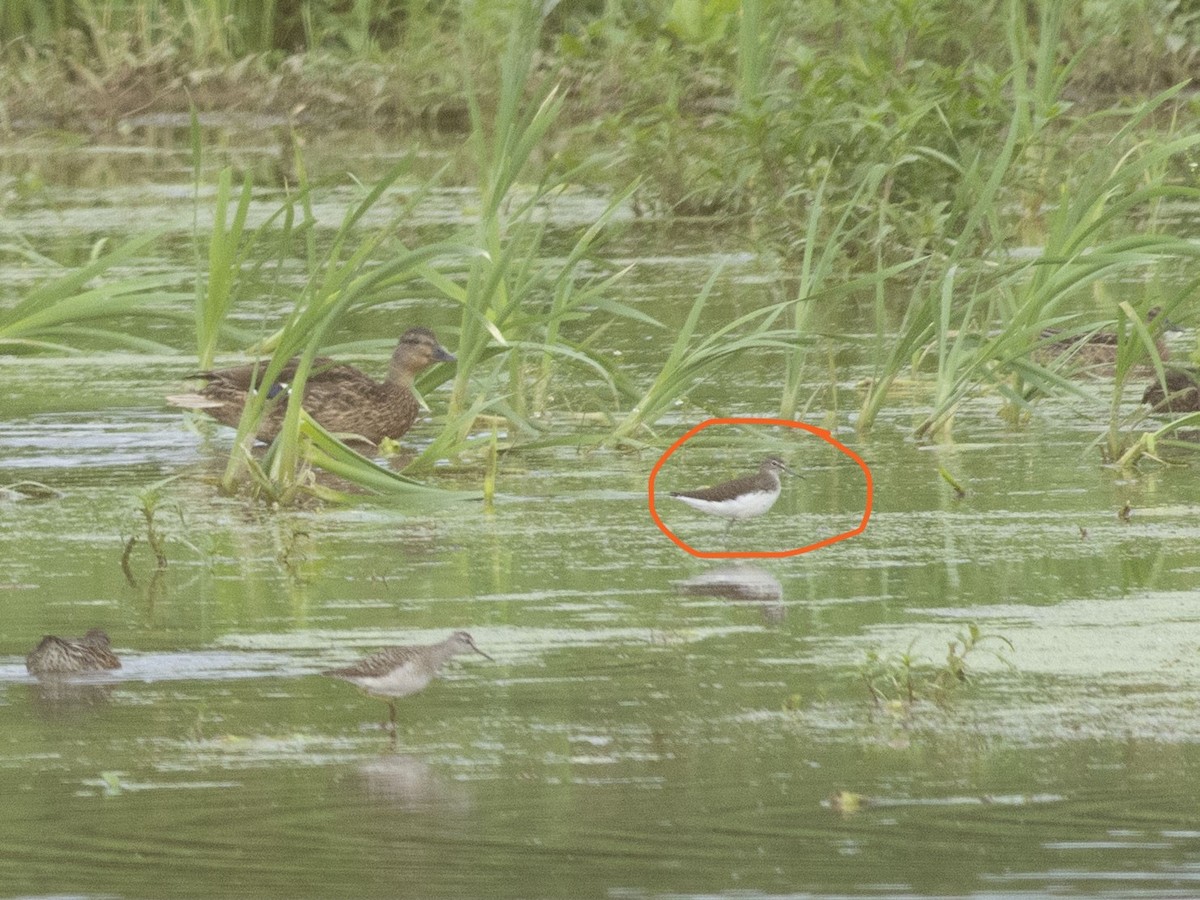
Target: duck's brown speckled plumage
[[1182, 394], [340, 397], [68, 656]]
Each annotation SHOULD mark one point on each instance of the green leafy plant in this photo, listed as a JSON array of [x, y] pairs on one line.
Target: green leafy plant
[[899, 680], [151, 501], [516, 304]]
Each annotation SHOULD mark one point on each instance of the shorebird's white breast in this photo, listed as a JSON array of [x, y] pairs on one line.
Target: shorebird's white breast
[[400, 682], [747, 506]]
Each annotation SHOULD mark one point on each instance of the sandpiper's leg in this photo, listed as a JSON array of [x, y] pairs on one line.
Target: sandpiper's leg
[[392, 717]]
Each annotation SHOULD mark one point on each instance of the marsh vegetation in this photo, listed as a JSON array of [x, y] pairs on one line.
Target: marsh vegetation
[[960, 239], [984, 200]]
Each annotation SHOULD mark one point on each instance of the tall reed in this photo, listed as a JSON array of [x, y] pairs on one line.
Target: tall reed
[[819, 278], [515, 301], [1087, 242], [1085, 239], [502, 149], [226, 253]]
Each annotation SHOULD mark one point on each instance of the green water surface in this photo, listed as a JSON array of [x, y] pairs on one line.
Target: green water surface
[[653, 724]]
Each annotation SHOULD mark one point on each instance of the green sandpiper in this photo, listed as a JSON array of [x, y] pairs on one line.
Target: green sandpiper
[[741, 498]]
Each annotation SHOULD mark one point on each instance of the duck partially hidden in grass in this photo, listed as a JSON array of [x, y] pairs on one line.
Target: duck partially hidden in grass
[[1100, 349], [341, 398], [70, 656], [1182, 393]]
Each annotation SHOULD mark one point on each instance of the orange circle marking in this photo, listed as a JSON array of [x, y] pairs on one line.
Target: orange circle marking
[[824, 435]]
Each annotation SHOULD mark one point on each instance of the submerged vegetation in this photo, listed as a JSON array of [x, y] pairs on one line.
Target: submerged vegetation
[[899, 680], [864, 150]]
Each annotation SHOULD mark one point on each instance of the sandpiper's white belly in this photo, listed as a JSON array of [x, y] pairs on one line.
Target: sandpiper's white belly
[[400, 682], [746, 506]]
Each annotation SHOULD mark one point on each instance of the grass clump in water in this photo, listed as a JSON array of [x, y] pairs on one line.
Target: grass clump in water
[[898, 681]]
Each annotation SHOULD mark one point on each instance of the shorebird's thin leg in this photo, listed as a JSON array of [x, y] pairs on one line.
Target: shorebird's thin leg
[[392, 717]]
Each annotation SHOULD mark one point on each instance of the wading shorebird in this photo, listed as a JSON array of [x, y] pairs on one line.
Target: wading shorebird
[[396, 672], [341, 398], [69, 656], [741, 498]]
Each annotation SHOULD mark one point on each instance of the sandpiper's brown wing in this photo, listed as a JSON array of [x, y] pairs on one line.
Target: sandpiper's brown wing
[[52, 640], [376, 665], [726, 490]]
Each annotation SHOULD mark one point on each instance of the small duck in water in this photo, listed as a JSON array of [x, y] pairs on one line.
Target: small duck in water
[[341, 398], [69, 656]]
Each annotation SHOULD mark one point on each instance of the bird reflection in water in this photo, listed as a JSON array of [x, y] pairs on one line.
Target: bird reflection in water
[[72, 673], [411, 784], [66, 696], [742, 583]]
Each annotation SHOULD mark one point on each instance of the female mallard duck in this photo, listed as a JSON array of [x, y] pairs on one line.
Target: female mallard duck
[[67, 656], [1100, 348], [1182, 394], [340, 397]]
